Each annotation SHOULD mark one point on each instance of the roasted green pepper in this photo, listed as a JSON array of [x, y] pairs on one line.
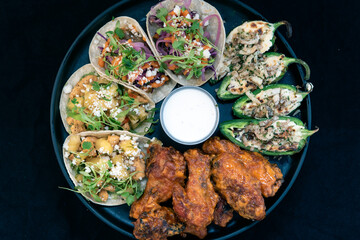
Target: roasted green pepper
[[255, 72], [272, 100], [254, 36], [276, 136]]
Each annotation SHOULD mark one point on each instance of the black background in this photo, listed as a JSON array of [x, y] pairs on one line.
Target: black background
[[324, 201]]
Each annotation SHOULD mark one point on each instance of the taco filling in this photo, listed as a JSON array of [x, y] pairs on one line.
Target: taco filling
[[182, 42], [97, 104], [107, 168], [127, 57]]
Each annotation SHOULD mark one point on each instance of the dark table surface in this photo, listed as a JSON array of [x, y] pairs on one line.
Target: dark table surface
[[35, 36]]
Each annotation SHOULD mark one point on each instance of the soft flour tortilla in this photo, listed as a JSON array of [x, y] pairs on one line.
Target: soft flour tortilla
[[112, 200], [94, 52], [202, 8], [74, 79]]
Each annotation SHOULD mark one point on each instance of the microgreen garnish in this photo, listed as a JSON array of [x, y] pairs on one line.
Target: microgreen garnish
[[99, 178], [95, 86]]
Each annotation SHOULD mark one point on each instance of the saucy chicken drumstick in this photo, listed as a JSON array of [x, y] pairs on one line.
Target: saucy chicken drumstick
[[165, 167], [259, 167], [195, 205]]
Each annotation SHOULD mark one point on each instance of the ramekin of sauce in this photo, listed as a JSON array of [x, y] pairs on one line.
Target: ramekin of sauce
[[189, 115]]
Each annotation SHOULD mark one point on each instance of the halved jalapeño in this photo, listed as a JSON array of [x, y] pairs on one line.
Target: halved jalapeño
[[249, 73], [275, 136], [273, 100]]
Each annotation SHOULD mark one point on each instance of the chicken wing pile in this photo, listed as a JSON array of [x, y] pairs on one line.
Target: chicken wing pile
[[219, 174], [165, 168]]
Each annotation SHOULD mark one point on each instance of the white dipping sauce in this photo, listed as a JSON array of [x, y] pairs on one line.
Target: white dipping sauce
[[189, 115]]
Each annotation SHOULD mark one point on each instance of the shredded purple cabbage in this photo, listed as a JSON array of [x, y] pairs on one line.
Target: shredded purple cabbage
[[102, 36], [138, 46]]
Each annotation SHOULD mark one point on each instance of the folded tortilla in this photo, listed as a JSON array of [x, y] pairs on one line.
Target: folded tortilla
[[94, 52], [203, 9], [112, 200], [71, 83]]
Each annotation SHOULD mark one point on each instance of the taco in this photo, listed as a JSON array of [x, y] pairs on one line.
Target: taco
[[107, 167], [91, 102], [189, 37], [120, 51]]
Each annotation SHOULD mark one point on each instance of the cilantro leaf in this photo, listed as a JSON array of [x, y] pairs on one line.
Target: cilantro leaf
[[179, 44], [128, 63], [95, 86], [161, 14], [109, 164], [87, 145], [120, 33]]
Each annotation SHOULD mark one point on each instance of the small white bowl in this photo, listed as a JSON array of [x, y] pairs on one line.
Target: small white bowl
[[189, 115]]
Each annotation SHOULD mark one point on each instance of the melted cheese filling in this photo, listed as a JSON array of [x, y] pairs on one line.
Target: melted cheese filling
[[279, 136], [273, 102]]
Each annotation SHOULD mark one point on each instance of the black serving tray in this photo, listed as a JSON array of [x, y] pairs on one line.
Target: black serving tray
[[233, 13]]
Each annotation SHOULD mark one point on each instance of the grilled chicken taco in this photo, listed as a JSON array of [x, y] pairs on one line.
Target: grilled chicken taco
[[106, 167], [91, 102], [189, 37], [120, 51]]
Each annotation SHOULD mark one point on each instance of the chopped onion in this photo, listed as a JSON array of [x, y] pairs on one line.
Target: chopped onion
[[252, 97], [219, 26]]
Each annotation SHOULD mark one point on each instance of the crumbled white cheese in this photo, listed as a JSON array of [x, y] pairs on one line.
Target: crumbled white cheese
[[67, 89], [177, 10], [206, 53], [87, 169]]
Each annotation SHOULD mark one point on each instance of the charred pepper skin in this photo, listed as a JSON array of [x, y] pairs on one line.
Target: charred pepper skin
[[224, 94], [244, 99], [225, 129]]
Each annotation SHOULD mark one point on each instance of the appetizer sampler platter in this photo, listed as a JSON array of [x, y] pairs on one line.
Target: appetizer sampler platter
[[233, 13]]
